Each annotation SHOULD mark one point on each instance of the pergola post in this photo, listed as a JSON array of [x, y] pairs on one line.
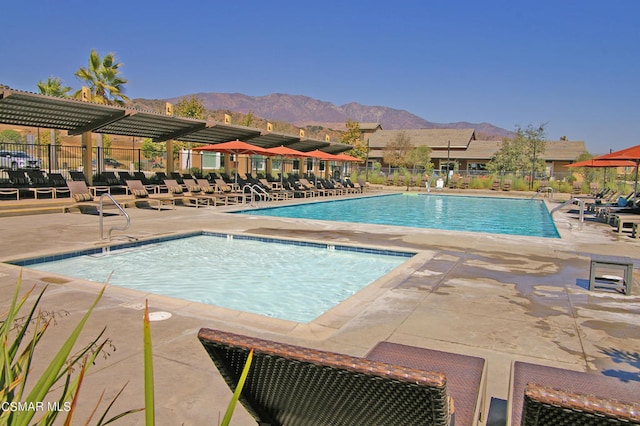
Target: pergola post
[[87, 144], [168, 110]]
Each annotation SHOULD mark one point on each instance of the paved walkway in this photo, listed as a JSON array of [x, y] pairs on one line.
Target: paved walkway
[[501, 297]]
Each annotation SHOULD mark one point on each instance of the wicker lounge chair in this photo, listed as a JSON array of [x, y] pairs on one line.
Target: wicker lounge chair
[[540, 395], [293, 385]]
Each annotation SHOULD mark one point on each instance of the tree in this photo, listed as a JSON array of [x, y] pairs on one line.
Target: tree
[[352, 137], [151, 149], [248, 119], [11, 136], [395, 153], [522, 153], [190, 108], [419, 156], [53, 87], [103, 79]]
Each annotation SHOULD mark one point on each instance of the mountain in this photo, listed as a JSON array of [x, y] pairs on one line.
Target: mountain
[[305, 111]]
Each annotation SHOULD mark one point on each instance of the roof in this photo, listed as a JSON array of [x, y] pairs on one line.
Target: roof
[[485, 150], [435, 138], [369, 126], [76, 117]]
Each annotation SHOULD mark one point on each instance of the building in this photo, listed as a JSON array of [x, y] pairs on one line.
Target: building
[[458, 149]]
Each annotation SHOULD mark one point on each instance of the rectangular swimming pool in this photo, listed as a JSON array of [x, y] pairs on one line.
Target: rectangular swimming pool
[[456, 213], [291, 280]]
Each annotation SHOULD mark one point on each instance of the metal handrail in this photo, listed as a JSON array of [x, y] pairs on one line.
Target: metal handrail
[[252, 190], [572, 201], [119, 207], [548, 189]]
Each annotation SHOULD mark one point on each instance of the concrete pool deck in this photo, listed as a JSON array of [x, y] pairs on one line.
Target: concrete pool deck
[[500, 297]]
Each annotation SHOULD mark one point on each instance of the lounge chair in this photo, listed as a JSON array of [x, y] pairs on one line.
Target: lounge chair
[[137, 189], [496, 185], [540, 395], [148, 185], [211, 190], [506, 185], [57, 181], [393, 384], [40, 184], [465, 183], [95, 189], [177, 191]]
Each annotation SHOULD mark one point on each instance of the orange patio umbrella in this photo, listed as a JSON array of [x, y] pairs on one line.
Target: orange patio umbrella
[[234, 147], [632, 154], [285, 152], [346, 157]]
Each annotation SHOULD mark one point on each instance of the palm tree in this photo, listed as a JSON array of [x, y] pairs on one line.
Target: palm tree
[[53, 87], [102, 77]]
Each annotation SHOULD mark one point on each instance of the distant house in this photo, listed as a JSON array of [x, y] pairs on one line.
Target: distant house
[[458, 149]]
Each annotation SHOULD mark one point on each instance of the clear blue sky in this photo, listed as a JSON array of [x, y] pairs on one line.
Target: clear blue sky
[[574, 65]]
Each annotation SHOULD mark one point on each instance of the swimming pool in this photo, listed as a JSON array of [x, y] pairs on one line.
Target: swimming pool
[[457, 213], [292, 280]]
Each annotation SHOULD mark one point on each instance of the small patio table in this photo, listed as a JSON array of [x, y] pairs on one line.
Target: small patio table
[[609, 281]]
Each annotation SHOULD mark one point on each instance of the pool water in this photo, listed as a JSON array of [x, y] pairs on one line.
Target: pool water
[[457, 213], [295, 281]]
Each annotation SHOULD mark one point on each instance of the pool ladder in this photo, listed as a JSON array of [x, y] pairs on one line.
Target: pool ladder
[[255, 192], [113, 228]]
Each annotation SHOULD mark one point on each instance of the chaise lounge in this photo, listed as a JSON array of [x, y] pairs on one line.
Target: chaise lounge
[[393, 384], [549, 396]]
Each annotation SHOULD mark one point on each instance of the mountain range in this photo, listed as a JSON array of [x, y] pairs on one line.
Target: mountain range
[[304, 111]]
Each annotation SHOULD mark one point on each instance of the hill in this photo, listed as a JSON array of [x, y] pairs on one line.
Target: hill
[[306, 112]]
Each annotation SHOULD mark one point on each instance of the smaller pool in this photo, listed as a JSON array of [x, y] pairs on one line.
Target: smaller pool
[[292, 280]]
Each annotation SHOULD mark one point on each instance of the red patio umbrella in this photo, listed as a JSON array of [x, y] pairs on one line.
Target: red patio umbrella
[[286, 152], [603, 163], [632, 153], [346, 157], [234, 147]]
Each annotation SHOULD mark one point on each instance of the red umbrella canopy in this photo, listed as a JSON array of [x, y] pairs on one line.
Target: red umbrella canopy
[[345, 157], [321, 155], [603, 163], [632, 153], [234, 147], [284, 151]]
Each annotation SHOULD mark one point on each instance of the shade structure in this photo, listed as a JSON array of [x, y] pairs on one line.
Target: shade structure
[[234, 147], [632, 153]]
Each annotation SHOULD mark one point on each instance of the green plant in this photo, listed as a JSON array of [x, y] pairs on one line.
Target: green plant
[[17, 356]]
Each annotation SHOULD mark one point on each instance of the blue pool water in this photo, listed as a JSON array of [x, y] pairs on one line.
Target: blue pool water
[[456, 213], [295, 281]]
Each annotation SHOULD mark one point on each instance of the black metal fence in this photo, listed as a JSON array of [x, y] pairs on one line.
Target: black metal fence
[[62, 159]]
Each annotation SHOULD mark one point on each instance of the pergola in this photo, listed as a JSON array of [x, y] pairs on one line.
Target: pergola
[[83, 118]]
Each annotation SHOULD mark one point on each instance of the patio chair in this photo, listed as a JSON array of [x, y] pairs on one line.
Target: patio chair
[[225, 197], [177, 191], [95, 189], [57, 181], [138, 190], [541, 395], [506, 185], [495, 186], [40, 184], [293, 385]]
